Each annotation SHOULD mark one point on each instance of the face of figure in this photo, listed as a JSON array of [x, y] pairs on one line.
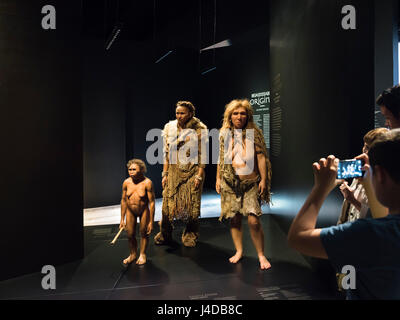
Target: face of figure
[[239, 118], [183, 115], [134, 171], [391, 121]]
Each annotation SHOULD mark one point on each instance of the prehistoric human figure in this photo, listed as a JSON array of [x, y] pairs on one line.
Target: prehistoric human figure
[[183, 174], [138, 201], [243, 176]]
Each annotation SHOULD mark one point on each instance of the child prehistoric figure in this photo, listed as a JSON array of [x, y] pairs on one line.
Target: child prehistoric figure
[[138, 200]]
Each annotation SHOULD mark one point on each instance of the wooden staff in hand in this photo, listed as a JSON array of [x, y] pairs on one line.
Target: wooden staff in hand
[[117, 236]]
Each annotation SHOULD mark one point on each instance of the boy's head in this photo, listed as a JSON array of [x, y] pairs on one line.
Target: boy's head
[[384, 157], [389, 102], [371, 136]]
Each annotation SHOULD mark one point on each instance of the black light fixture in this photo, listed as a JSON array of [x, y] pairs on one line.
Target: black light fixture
[[211, 67]]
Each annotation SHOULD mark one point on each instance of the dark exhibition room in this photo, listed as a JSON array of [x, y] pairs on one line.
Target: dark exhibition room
[[196, 150]]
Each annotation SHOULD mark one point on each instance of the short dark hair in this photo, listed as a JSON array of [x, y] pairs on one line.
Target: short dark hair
[[385, 152], [139, 163], [390, 98]]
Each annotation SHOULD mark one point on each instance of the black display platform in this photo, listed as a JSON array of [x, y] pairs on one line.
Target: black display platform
[[178, 273]]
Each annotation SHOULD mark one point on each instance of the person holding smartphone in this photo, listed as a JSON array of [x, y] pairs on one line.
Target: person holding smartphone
[[355, 204], [369, 246]]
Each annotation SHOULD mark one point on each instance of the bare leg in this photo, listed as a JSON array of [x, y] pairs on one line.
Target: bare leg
[[257, 235], [237, 236], [131, 232], [144, 238]]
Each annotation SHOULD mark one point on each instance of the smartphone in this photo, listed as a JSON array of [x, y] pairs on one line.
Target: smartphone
[[350, 169]]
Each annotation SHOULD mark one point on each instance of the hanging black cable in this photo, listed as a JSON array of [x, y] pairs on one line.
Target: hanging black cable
[[104, 20], [215, 29], [154, 28], [199, 35], [116, 30], [117, 14]]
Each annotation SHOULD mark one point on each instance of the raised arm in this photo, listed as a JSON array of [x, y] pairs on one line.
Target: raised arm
[[152, 205], [124, 205], [303, 236]]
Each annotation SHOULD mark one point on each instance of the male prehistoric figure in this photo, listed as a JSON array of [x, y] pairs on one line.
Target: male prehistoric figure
[[138, 200], [243, 187]]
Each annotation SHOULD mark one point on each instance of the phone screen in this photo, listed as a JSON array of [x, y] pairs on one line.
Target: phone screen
[[350, 169]]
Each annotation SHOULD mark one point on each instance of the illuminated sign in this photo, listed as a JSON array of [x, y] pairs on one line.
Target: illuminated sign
[[261, 103]]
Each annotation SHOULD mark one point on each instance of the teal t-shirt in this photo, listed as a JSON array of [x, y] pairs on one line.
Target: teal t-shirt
[[372, 247]]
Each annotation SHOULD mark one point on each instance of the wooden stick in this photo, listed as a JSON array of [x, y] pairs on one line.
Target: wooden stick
[[116, 237]]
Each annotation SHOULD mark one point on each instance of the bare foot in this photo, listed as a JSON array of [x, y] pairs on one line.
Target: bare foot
[[264, 263], [141, 260], [236, 258], [130, 259]]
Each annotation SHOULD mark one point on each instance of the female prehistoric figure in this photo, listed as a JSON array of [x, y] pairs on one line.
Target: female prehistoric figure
[[243, 176], [183, 174]]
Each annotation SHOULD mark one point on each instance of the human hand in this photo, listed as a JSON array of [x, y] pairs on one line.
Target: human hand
[[325, 172], [262, 187], [347, 192], [149, 228], [197, 183], [218, 186], [164, 182], [366, 168], [122, 225]]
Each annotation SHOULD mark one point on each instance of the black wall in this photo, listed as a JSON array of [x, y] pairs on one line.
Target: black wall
[[154, 91], [386, 49], [322, 80], [41, 137], [323, 83], [104, 100], [126, 93]]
